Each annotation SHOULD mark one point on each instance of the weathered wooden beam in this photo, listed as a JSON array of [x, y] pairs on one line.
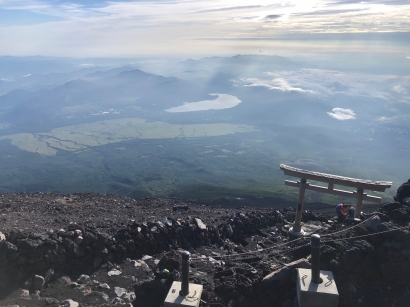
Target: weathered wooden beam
[[318, 188], [380, 186]]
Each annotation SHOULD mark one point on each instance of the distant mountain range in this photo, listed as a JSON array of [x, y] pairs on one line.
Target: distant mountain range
[[285, 111]]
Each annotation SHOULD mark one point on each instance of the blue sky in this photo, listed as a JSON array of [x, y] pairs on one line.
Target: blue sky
[[181, 27]]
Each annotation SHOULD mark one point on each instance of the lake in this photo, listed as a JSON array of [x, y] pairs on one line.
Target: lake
[[223, 101]]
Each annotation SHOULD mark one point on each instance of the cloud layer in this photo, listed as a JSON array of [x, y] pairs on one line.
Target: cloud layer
[[150, 27], [342, 114], [277, 84], [328, 83]]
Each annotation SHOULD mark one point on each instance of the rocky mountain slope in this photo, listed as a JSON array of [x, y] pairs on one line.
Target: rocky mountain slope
[[104, 250]]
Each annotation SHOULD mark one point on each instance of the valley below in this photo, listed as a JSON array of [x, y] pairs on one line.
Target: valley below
[[210, 130]]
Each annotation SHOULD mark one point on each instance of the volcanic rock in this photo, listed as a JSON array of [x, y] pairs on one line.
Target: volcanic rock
[[38, 282], [351, 258], [388, 208], [403, 192], [231, 255], [372, 223]]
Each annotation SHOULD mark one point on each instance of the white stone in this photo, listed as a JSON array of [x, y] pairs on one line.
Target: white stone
[[24, 293], [2, 237], [104, 286], [167, 222], [69, 303], [128, 297], [114, 272], [146, 257], [140, 263], [200, 224], [119, 291]]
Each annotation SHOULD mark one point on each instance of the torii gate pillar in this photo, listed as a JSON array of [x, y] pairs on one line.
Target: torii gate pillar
[[296, 231], [359, 203]]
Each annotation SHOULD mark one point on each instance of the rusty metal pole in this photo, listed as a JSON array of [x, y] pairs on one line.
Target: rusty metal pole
[[315, 254], [358, 209], [297, 227], [185, 274]]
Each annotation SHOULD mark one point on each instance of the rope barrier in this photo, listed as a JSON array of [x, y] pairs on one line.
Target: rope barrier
[[250, 252], [368, 235], [284, 252], [343, 230]]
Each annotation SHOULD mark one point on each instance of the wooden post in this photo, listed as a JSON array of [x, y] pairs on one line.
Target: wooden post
[[297, 227], [358, 209]]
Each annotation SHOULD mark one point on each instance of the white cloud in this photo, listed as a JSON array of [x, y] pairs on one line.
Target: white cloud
[[177, 26], [276, 84], [328, 83], [87, 65], [399, 89], [342, 114], [397, 119], [383, 119]]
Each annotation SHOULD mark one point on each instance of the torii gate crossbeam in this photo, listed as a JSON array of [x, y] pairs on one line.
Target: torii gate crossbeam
[[331, 180]]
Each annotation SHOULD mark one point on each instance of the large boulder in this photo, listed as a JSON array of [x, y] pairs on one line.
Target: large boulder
[[403, 192], [401, 215], [388, 208]]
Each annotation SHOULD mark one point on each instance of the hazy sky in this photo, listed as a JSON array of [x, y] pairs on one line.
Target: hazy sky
[[197, 27]]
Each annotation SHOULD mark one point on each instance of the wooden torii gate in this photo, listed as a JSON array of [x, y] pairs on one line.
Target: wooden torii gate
[[331, 180]]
